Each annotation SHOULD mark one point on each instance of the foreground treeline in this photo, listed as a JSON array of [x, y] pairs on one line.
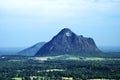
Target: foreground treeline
[[26, 68]]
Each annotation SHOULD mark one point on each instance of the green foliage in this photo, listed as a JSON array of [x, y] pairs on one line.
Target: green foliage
[[77, 69]]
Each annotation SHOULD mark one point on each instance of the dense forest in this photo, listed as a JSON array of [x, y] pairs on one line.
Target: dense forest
[[27, 68]]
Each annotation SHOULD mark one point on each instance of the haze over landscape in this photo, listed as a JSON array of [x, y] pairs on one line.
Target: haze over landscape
[[26, 22]]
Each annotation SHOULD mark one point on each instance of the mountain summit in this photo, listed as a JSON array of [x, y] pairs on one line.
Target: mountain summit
[[67, 42]]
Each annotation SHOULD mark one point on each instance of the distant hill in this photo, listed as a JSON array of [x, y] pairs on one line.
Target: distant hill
[[31, 51], [110, 48], [67, 42], [10, 50]]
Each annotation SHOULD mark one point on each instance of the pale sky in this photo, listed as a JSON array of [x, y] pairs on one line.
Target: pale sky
[[26, 22]]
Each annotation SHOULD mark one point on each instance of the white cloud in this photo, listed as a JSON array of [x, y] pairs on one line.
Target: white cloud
[[57, 7]]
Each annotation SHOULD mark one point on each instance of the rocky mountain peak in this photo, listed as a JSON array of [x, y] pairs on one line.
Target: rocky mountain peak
[[67, 42], [66, 32]]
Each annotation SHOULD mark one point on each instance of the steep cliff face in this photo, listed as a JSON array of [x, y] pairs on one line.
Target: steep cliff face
[[67, 42]]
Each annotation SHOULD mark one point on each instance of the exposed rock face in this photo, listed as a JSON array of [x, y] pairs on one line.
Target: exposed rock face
[[67, 42], [31, 51]]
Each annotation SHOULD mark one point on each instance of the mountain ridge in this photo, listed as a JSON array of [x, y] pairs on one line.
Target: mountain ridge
[[67, 42]]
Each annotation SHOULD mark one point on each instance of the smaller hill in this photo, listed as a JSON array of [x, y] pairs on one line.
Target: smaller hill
[[31, 51]]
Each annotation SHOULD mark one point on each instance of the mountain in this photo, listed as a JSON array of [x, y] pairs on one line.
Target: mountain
[[31, 51], [67, 42]]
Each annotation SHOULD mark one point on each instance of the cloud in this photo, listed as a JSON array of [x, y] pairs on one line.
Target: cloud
[[58, 10], [56, 7]]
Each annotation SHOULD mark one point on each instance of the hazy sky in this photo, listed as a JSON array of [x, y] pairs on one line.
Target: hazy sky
[[26, 22]]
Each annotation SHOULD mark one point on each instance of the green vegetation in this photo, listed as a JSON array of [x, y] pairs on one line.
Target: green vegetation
[[17, 78], [28, 68]]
